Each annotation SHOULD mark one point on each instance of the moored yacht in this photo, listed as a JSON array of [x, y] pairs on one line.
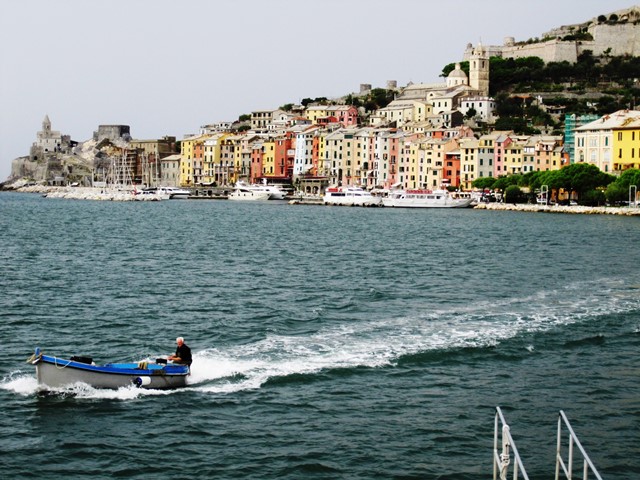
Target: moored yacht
[[248, 194], [275, 192], [426, 199], [175, 193], [350, 196]]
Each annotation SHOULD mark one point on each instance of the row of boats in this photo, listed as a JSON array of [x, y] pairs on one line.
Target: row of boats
[[242, 192], [343, 196], [441, 198]]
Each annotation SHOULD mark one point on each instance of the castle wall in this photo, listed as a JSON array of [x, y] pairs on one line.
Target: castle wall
[[622, 38], [551, 51]]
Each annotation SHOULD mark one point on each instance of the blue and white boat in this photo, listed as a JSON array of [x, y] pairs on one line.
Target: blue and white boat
[[54, 372]]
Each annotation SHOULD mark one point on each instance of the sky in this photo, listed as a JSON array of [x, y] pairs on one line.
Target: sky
[[168, 67]]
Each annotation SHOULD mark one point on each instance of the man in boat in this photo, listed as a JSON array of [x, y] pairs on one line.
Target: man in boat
[[183, 353]]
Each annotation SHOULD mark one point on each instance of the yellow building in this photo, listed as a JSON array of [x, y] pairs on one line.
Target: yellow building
[[434, 153], [403, 112], [513, 159], [212, 147], [468, 162], [411, 168], [324, 167], [626, 145], [594, 141], [268, 157], [191, 160], [314, 112]]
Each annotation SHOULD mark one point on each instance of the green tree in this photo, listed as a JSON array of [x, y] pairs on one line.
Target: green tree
[[513, 194], [378, 98], [483, 183], [471, 113], [505, 181], [616, 193], [629, 177], [593, 198], [353, 100]]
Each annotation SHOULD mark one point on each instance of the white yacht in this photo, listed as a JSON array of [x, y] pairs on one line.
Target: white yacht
[[248, 194], [275, 192], [175, 193], [350, 196], [427, 199]]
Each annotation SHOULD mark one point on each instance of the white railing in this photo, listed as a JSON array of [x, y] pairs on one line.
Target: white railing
[[567, 468], [502, 460]]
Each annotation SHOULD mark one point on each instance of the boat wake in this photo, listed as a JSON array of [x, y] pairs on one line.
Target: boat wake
[[380, 342], [386, 341]]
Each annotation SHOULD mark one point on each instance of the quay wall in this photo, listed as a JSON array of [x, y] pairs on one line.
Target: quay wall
[[575, 209]]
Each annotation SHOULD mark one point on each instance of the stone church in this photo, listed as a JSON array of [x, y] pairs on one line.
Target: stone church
[[49, 142]]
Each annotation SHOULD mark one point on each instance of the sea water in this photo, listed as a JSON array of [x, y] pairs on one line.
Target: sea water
[[328, 342]]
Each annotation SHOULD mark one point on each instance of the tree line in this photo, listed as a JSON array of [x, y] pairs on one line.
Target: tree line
[[584, 182]]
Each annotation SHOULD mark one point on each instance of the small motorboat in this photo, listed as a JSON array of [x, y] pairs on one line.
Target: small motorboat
[[54, 372]]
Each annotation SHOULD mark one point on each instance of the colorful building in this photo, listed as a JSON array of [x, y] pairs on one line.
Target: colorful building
[[626, 145]]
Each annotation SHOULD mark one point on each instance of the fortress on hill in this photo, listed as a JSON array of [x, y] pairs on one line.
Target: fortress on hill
[[614, 34]]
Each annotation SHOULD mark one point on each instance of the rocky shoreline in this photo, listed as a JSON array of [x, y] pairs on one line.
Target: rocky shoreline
[[85, 193], [575, 209]]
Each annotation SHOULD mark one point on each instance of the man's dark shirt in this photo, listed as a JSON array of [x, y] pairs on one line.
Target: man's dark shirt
[[184, 353]]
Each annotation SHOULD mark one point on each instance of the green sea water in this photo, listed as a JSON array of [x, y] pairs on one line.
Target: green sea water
[[328, 342]]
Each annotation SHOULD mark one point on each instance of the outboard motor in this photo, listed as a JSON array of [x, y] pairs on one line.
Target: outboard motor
[[142, 381]]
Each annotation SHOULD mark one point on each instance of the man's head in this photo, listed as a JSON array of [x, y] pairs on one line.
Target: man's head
[[179, 341]]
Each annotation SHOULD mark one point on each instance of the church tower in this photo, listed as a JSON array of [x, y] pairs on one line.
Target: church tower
[[479, 71], [46, 127]]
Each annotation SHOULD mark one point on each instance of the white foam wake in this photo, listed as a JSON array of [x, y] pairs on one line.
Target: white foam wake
[[379, 342]]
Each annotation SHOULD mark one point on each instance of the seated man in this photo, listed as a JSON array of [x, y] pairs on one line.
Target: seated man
[[183, 353]]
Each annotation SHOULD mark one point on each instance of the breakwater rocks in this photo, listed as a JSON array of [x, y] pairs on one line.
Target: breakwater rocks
[[86, 193], [577, 209]]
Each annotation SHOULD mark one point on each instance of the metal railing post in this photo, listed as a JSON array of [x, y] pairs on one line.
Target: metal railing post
[[501, 461], [573, 440], [558, 447]]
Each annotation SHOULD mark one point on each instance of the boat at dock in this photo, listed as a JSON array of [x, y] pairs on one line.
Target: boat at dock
[[248, 194], [54, 372], [275, 192], [174, 193], [427, 199], [350, 196]]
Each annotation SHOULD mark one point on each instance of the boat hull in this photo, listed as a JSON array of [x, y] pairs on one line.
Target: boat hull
[[409, 204], [52, 372]]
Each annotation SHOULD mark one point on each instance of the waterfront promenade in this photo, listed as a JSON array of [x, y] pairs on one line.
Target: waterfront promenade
[[89, 193]]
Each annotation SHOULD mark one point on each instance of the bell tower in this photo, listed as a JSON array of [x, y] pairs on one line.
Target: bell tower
[[46, 126], [479, 70]]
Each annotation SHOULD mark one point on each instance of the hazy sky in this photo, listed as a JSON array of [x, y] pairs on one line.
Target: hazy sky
[[167, 67]]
